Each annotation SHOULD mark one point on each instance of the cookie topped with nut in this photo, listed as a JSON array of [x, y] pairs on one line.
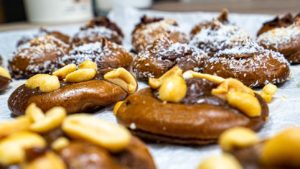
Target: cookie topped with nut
[[243, 148], [192, 107], [52, 139], [77, 88]]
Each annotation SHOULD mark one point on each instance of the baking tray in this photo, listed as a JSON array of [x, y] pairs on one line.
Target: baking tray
[[284, 110]]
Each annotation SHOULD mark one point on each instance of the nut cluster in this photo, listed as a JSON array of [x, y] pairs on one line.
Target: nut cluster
[[25, 132], [45, 82], [122, 78], [86, 71], [171, 86], [238, 95]]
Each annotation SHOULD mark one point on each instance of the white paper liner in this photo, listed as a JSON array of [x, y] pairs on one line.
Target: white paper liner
[[284, 110]]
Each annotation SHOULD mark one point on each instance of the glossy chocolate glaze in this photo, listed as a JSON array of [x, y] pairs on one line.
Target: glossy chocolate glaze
[[188, 122], [75, 97]]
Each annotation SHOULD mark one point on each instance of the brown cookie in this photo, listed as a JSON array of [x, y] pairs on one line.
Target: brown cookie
[[199, 118], [278, 22], [164, 54], [75, 97], [87, 156], [97, 29], [285, 40], [39, 55], [150, 29], [251, 64], [107, 55]]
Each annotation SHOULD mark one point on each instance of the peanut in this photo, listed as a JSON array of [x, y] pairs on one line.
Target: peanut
[[224, 161], [64, 71], [173, 89], [122, 78], [157, 82], [213, 78], [4, 72], [81, 75], [88, 64], [238, 137], [97, 131]]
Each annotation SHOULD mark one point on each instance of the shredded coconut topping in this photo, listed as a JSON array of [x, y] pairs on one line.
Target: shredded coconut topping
[[96, 31], [219, 37], [279, 36]]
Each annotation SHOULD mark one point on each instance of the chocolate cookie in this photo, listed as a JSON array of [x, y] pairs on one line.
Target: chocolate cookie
[[97, 29], [77, 142], [248, 151], [150, 29], [79, 90], [106, 54], [5, 78], [277, 22], [251, 64], [164, 54], [285, 40], [196, 116], [39, 55]]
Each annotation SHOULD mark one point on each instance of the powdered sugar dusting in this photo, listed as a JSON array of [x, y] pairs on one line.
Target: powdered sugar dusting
[[96, 31]]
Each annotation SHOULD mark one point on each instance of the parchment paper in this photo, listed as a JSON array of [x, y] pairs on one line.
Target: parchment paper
[[284, 110]]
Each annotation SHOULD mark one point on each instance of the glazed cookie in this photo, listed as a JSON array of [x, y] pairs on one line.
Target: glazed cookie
[[195, 110], [39, 55], [97, 29], [151, 29], [277, 22], [250, 63], [81, 90], [56, 141], [164, 54], [106, 54], [243, 149], [285, 40]]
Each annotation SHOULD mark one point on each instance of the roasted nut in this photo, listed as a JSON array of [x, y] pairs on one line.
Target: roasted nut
[[88, 64], [122, 78], [173, 89], [268, 92], [97, 131], [21, 123], [213, 78], [48, 161], [245, 102], [4, 73], [238, 137], [283, 149], [60, 143], [224, 161], [117, 106], [12, 147], [53, 118], [45, 82], [81, 75], [34, 113], [64, 71], [157, 82], [231, 84]]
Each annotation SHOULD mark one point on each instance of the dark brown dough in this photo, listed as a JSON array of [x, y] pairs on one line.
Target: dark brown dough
[[97, 29], [200, 120], [150, 29], [164, 54], [75, 97], [107, 55]]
